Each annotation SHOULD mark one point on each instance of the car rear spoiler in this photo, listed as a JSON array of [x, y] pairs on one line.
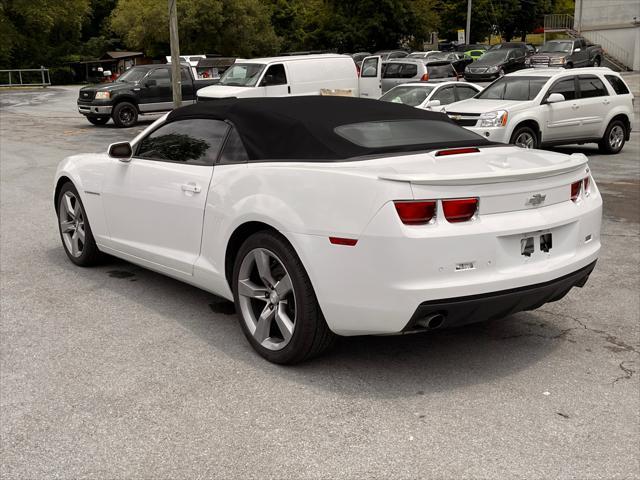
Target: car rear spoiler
[[575, 162]]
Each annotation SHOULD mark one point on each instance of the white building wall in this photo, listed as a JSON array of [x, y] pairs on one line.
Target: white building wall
[[613, 23]]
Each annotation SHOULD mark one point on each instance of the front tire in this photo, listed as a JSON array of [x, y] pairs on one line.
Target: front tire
[[125, 115], [98, 120], [614, 137], [596, 62], [75, 231], [276, 303], [524, 137]]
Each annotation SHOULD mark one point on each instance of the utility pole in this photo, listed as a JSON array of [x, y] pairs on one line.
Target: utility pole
[[176, 82], [468, 30]]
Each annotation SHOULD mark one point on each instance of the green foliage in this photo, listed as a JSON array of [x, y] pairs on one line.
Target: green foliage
[[61, 75], [229, 27]]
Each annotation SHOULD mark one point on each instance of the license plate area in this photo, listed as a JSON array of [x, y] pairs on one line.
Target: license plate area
[[536, 246]]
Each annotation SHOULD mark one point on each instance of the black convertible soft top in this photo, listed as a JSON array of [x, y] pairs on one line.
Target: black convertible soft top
[[304, 128]]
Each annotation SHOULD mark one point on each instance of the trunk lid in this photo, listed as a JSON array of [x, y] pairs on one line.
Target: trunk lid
[[504, 178]]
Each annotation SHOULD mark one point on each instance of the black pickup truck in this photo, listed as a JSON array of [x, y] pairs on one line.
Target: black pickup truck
[[141, 89]]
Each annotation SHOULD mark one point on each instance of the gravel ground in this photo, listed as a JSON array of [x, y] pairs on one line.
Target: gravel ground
[[118, 372]]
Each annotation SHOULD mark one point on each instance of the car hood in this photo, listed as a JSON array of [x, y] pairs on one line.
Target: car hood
[[107, 87], [225, 91], [474, 105]]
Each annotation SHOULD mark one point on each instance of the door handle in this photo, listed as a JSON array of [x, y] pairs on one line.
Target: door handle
[[606, 101], [575, 107], [191, 187]]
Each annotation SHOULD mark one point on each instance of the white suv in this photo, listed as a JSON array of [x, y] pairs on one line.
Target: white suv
[[551, 107]]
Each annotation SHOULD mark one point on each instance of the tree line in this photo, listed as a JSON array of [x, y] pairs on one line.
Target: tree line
[[57, 32]]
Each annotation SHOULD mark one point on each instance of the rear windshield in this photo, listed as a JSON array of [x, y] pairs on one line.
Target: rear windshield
[[407, 95], [403, 133], [513, 88]]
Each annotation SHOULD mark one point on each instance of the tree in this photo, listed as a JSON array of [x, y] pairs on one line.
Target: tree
[[39, 32], [229, 27]]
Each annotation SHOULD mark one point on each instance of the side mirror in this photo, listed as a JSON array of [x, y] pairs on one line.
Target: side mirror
[[106, 73], [433, 103], [577, 50], [121, 150], [150, 83], [267, 81], [555, 98]]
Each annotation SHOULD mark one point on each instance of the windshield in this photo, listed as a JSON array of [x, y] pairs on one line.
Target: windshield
[[132, 75], [553, 47], [242, 75], [495, 56], [417, 55], [513, 88], [407, 95]]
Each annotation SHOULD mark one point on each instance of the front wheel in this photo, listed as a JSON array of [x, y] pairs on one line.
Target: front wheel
[[524, 137], [278, 309], [614, 137], [125, 115], [596, 62], [75, 231]]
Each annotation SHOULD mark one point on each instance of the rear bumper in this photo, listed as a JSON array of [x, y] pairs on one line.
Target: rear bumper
[[376, 286], [492, 306]]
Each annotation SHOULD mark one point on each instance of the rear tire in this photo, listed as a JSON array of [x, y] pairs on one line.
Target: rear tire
[[276, 303], [524, 137], [125, 115], [75, 231], [98, 120], [614, 137], [569, 65]]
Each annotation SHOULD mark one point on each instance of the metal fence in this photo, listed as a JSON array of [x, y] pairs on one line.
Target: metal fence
[[558, 22], [25, 77], [610, 48]]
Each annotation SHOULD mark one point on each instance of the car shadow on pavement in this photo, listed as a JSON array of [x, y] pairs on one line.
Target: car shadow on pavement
[[371, 366]]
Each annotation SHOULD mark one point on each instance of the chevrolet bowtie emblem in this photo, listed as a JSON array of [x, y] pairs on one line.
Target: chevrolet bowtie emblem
[[536, 200]]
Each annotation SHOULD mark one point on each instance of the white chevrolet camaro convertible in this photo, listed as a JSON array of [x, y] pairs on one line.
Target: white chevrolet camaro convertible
[[320, 216]]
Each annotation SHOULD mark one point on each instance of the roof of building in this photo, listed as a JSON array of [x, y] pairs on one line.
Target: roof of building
[[122, 54], [304, 128]]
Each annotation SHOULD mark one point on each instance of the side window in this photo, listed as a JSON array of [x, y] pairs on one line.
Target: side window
[[194, 141], [161, 77], [591, 86], [392, 70], [275, 75], [445, 95], [465, 92], [184, 76], [566, 87], [408, 70], [618, 84], [369, 68], [234, 151]]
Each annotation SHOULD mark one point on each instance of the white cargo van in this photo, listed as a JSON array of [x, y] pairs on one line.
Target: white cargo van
[[326, 74]]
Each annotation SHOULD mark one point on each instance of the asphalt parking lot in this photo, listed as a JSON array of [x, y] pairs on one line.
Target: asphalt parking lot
[[118, 372]]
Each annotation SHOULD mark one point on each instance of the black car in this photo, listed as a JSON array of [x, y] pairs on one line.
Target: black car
[[495, 63], [528, 48], [458, 59], [141, 89]]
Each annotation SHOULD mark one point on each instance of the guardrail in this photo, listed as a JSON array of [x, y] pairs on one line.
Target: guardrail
[[558, 22], [26, 77]]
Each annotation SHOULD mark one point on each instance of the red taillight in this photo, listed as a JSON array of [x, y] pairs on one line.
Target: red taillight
[[357, 70], [460, 209], [425, 77], [350, 242], [456, 151], [416, 213], [575, 190]]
